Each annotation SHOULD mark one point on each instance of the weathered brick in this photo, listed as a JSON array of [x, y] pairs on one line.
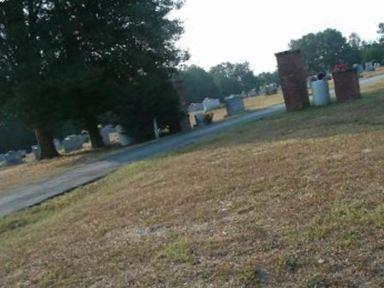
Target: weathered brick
[[347, 85], [293, 80]]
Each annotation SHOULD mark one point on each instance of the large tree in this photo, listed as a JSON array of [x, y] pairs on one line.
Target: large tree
[[323, 50], [72, 60], [29, 81], [109, 45]]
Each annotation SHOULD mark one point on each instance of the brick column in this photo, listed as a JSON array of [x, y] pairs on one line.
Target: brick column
[[185, 123], [293, 80], [347, 85]]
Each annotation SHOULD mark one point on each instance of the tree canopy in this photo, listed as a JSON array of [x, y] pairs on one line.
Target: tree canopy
[[199, 84], [76, 60], [323, 50], [234, 78]]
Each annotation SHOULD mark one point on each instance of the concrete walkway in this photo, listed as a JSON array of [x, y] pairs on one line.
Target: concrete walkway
[[33, 194]]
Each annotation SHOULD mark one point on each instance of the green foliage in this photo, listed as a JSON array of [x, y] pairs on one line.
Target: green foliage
[[381, 32], [234, 78], [29, 78], [323, 50], [152, 98], [78, 60], [199, 84], [266, 78], [14, 136], [373, 52]]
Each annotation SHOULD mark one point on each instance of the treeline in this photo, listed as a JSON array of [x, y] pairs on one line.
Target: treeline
[[223, 80], [87, 61], [323, 50]]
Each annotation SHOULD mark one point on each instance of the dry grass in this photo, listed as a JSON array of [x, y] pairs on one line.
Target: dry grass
[[379, 71], [251, 104], [291, 201]]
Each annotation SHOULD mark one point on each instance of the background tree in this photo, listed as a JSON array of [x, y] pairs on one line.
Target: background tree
[[151, 98], [355, 41], [267, 78], [199, 84], [373, 52], [381, 32], [71, 60], [14, 136], [233, 78], [323, 50]]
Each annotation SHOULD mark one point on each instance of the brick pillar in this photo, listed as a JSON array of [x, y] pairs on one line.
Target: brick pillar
[[185, 123], [347, 85], [293, 80]]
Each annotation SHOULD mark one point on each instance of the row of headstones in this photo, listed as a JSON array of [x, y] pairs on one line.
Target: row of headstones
[[69, 144], [76, 142], [208, 104], [234, 105]]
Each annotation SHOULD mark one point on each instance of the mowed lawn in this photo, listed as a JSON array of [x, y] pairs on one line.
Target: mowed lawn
[[291, 201]]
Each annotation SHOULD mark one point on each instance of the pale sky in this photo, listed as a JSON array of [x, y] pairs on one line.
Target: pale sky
[[250, 30]]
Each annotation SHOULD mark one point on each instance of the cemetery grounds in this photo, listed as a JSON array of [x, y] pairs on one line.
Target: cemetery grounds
[[295, 200], [32, 171]]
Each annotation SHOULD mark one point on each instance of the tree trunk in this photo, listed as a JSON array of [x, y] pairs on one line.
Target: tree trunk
[[45, 140], [94, 133]]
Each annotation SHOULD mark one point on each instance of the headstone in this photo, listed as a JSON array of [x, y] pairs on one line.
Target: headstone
[[73, 143], [195, 107], [200, 119], [13, 158], [252, 93], [211, 104], [369, 67], [105, 134], [234, 105], [359, 68], [269, 89], [2, 159], [58, 144], [36, 151], [293, 80]]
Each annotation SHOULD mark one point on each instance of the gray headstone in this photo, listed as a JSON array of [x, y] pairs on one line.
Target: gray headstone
[[235, 105], [36, 151], [74, 143], [13, 158]]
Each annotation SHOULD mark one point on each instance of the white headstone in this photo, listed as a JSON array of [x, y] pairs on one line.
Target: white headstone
[[369, 66], [211, 104]]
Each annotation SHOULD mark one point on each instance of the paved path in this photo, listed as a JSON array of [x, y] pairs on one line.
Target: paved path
[[33, 194]]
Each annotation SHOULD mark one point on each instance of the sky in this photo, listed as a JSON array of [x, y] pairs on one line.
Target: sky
[[218, 31]]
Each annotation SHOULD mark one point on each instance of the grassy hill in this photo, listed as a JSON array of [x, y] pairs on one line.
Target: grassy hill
[[292, 201]]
